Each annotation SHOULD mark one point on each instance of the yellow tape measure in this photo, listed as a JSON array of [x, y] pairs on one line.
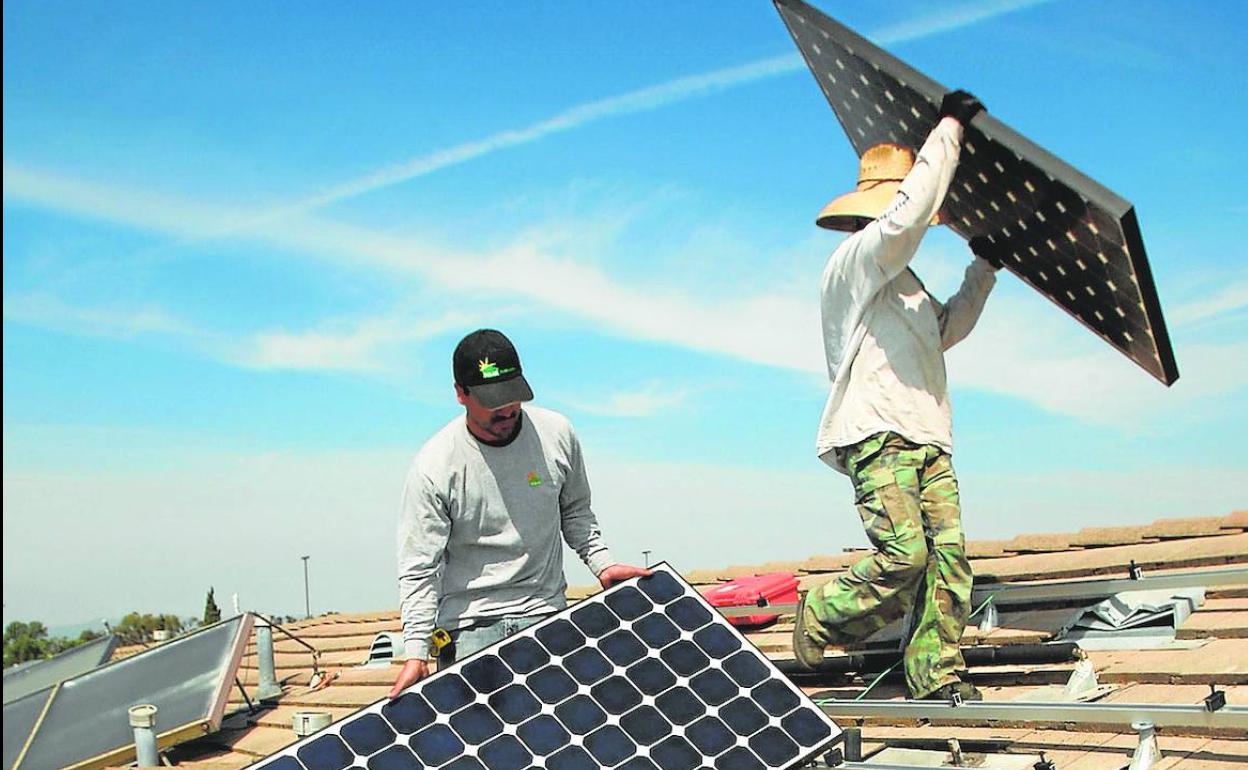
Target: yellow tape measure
[[439, 639]]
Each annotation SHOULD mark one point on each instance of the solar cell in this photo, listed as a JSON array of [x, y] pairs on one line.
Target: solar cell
[[1070, 238], [645, 676]]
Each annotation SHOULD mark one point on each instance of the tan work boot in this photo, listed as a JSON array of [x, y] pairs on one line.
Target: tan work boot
[[806, 651]]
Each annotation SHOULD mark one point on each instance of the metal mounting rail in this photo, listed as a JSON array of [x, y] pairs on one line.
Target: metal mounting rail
[[1016, 594], [1006, 594], [882, 766], [1161, 715]]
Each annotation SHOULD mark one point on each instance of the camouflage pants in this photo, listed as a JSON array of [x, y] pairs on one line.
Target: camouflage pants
[[907, 496]]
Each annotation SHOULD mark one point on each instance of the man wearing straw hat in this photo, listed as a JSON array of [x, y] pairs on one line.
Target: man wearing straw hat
[[887, 422]]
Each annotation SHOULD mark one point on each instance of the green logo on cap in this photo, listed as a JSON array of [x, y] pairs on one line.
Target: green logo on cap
[[490, 370]]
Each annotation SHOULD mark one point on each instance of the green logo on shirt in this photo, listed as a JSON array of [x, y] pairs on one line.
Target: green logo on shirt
[[534, 480]]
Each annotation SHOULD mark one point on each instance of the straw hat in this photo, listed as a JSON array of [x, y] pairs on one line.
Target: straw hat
[[880, 171]]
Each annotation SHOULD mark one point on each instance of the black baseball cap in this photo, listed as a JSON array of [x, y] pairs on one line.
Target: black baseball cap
[[487, 364]]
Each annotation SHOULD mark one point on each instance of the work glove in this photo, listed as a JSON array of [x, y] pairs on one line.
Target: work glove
[[960, 106], [987, 251]]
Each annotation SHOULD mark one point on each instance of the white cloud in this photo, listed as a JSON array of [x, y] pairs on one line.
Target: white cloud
[[653, 398], [363, 345], [1223, 302], [41, 309], [1032, 351], [182, 522], [640, 100], [355, 345]]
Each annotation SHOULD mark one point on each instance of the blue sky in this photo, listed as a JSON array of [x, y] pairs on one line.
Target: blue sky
[[240, 245]]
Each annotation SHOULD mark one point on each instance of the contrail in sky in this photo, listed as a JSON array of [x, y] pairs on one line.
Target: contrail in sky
[[641, 100]]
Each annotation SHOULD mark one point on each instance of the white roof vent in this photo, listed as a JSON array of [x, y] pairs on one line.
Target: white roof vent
[[386, 646]]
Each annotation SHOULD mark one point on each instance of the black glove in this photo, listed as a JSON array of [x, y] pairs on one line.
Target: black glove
[[987, 251], [960, 106]]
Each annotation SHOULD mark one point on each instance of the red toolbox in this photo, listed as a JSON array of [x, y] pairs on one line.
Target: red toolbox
[[755, 591]]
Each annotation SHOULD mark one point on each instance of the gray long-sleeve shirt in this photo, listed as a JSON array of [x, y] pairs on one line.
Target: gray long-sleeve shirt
[[480, 526], [884, 335]]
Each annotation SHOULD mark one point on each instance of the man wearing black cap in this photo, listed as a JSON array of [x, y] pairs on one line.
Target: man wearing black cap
[[485, 503]]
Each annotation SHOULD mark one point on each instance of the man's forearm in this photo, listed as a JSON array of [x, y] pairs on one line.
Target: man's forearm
[[963, 309]]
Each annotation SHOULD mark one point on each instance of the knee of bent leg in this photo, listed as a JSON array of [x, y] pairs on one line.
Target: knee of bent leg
[[906, 557]]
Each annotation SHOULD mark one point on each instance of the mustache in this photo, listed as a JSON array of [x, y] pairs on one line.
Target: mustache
[[503, 418]]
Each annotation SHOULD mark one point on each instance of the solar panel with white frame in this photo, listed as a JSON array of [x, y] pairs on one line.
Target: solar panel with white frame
[[645, 675], [1070, 238]]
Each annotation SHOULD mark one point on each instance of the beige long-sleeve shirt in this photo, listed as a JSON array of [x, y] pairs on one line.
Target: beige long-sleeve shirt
[[884, 335]]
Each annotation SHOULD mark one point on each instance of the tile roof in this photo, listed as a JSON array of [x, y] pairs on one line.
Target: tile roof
[[1157, 676]]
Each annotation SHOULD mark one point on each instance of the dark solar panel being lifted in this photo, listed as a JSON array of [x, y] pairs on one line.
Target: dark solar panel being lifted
[[645, 676], [1071, 239]]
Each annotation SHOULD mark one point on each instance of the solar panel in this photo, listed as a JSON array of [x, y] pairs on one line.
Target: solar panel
[[44, 673], [1071, 239], [187, 679], [644, 676], [20, 717]]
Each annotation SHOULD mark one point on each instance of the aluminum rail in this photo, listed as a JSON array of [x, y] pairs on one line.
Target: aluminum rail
[[1015, 594], [883, 766], [1161, 715], [1006, 594]]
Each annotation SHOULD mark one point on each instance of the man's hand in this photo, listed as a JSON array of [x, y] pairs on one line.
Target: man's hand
[[987, 251], [412, 672], [960, 106], [620, 572]]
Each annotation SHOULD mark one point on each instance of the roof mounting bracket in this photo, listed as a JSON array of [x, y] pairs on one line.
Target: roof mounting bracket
[[1082, 681], [1215, 700], [1147, 752], [1134, 571]]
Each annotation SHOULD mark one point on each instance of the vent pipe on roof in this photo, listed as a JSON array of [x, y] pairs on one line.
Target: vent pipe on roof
[[307, 722], [143, 720], [268, 689]]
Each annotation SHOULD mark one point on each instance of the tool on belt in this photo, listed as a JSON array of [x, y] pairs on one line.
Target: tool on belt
[[439, 639]]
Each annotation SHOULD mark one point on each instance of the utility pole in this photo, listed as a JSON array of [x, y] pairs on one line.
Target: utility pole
[[645, 558], [307, 602]]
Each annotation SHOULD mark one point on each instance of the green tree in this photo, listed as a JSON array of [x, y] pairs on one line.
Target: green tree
[[136, 628], [212, 613], [25, 641]]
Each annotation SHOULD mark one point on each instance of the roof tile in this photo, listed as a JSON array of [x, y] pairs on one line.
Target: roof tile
[[1236, 520], [1177, 528], [983, 549], [831, 562], [1092, 537], [1040, 544]]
